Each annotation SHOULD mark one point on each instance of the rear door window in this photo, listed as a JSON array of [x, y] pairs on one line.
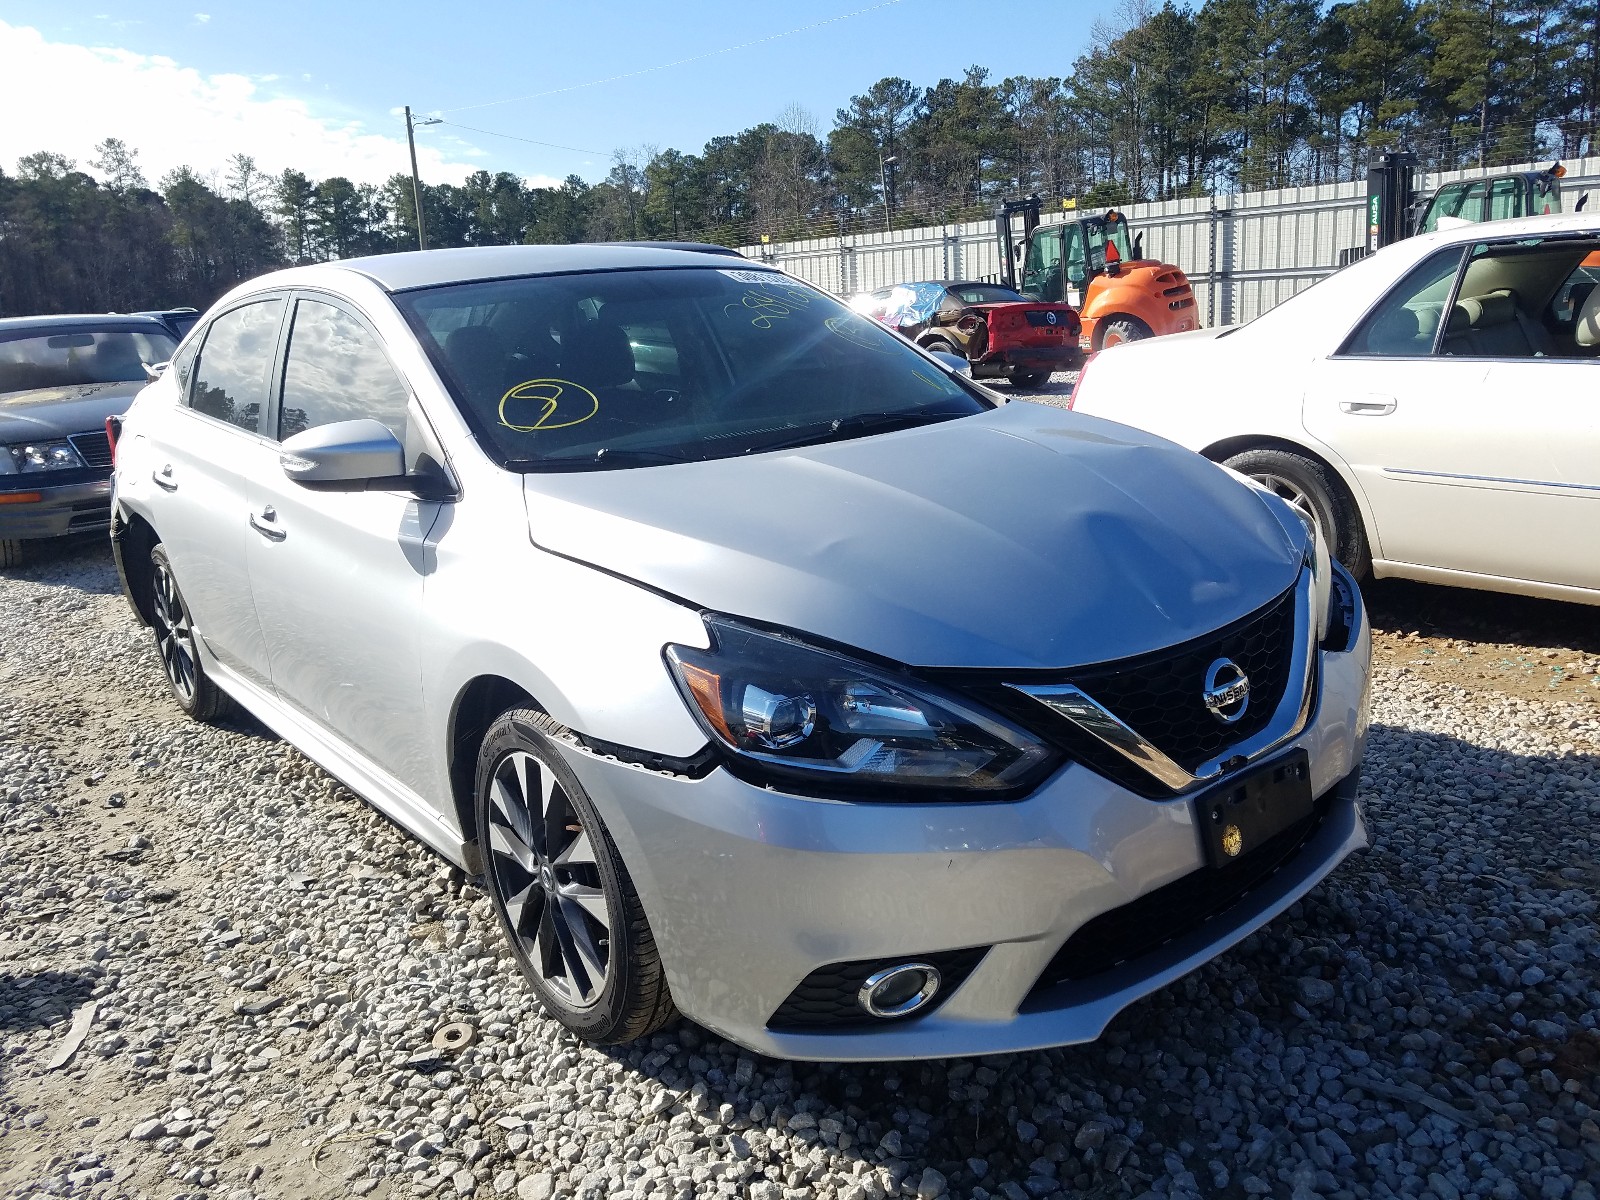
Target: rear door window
[[231, 376]]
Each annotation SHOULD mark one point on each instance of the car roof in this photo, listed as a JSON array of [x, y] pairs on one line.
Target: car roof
[[430, 268], [1543, 226], [106, 321]]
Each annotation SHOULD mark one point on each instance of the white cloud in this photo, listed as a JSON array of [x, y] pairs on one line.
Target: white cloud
[[201, 18], [174, 116]]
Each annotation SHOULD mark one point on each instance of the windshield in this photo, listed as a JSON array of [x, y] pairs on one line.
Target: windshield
[[628, 368], [61, 358]]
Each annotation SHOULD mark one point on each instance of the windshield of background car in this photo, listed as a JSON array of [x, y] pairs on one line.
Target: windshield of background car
[[65, 358], [627, 368]]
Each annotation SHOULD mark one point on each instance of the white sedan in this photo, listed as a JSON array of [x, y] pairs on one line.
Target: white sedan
[[1435, 406]]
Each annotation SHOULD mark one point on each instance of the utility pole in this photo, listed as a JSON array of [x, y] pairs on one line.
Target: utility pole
[[883, 178], [416, 179]]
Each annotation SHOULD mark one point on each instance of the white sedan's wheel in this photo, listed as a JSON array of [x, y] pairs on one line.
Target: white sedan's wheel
[[1316, 491]]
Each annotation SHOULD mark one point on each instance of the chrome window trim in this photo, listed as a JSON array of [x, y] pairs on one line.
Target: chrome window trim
[[1289, 719]]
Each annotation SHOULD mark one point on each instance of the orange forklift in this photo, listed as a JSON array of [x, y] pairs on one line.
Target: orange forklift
[[1120, 295]]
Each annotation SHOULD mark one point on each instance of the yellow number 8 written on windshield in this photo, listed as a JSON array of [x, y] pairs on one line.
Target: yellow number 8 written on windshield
[[768, 308], [543, 404]]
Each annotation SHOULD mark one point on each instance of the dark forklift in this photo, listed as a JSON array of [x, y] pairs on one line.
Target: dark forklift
[[1394, 211]]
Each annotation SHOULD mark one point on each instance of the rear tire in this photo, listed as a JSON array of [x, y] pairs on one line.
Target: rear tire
[[1118, 330], [1315, 489], [10, 552], [942, 346], [566, 903], [186, 676]]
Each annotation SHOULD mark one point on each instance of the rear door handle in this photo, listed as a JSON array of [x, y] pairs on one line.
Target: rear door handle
[[266, 524], [163, 479], [1377, 406]]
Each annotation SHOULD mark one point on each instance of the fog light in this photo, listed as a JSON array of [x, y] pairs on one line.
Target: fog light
[[899, 991]]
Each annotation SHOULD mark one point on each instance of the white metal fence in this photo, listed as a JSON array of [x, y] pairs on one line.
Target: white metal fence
[[1243, 253]]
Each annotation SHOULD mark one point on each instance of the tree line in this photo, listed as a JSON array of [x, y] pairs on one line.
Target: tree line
[[1169, 101]]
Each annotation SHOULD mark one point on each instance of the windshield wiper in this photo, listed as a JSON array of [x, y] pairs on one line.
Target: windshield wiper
[[843, 428], [610, 458]]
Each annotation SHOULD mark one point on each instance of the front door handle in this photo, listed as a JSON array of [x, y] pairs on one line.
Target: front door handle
[[163, 479], [267, 524], [1376, 406]]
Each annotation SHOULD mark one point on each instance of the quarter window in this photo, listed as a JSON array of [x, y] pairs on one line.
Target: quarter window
[[235, 361], [336, 372]]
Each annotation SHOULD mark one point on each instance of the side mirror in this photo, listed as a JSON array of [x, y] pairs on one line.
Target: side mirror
[[345, 456], [953, 362]]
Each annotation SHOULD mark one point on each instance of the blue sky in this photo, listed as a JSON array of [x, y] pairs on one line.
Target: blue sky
[[315, 85]]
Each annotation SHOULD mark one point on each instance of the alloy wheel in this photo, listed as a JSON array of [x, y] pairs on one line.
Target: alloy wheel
[[1287, 489], [545, 871], [174, 634]]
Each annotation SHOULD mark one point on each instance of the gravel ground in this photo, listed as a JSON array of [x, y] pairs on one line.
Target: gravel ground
[[259, 968]]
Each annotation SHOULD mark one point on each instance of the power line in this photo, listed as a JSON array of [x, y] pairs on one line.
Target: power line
[[513, 137], [772, 37]]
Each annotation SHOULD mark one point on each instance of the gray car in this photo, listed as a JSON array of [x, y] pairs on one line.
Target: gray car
[[777, 676], [60, 378]]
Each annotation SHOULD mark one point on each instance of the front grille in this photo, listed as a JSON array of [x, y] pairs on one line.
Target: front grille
[[826, 998], [1159, 695], [95, 447], [1182, 906]]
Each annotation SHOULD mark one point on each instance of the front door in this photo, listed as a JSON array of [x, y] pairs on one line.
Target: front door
[[338, 576], [1470, 418]]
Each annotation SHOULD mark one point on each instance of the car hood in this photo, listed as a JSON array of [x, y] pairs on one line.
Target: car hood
[[1025, 537], [59, 411]]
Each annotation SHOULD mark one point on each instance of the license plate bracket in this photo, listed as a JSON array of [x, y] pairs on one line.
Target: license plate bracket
[[1240, 815]]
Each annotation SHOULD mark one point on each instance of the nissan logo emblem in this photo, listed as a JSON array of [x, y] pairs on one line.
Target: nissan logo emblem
[[1227, 691], [1050, 318]]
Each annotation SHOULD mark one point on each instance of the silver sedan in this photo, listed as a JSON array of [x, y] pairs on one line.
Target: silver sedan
[[764, 669]]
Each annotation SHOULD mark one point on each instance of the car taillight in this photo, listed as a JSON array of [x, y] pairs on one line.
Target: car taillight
[[1083, 371], [967, 324], [113, 433]]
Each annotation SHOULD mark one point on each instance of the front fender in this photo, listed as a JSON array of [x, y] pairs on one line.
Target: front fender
[[588, 649]]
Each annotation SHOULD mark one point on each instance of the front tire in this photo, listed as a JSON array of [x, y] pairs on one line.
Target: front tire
[[565, 900], [10, 552], [1313, 489], [191, 687], [1117, 330]]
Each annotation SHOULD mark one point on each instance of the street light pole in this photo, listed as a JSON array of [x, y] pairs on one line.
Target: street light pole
[[883, 178], [416, 179]]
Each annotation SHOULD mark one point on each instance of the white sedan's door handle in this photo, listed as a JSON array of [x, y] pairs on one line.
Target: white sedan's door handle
[[1374, 406]]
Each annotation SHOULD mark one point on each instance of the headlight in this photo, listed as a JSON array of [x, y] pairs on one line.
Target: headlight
[[1321, 567], [821, 720], [43, 456]]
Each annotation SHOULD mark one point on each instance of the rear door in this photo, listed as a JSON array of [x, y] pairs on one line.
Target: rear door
[[206, 450]]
